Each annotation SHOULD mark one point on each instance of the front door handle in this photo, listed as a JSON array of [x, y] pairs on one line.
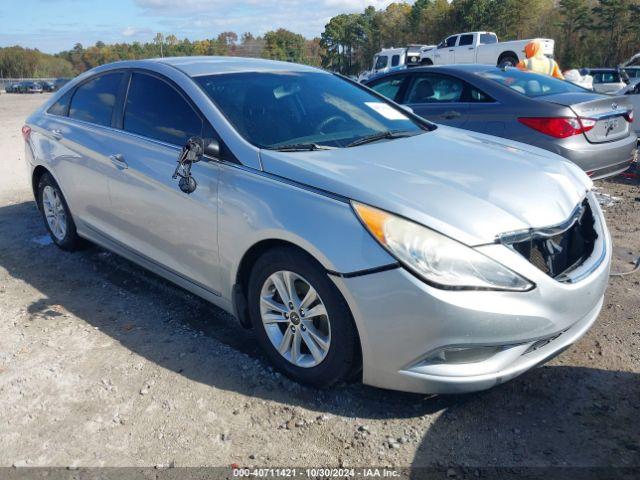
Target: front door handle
[[56, 133], [450, 115], [119, 161]]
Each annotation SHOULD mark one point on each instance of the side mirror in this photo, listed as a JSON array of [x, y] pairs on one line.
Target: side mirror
[[212, 148], [191, 153]]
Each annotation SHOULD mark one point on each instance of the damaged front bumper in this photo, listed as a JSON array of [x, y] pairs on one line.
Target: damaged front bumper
[[422, 339]]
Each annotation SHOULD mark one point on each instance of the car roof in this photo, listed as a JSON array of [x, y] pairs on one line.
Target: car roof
[[468, 69], [196, 66]]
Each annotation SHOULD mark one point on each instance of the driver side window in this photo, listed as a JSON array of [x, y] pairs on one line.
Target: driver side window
[[156, 110]]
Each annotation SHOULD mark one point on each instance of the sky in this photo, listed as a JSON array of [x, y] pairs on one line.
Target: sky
[[55, 25]]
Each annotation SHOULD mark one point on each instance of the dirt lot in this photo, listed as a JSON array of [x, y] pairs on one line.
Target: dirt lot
[[104, 364]]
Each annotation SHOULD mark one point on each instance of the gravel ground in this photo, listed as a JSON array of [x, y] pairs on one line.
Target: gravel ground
[[104, 364]]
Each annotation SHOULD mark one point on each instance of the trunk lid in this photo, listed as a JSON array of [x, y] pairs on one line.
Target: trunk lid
[[608, 112]]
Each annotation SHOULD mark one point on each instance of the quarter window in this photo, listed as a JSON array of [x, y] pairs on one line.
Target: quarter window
[[477, 96], [61, 107], [156, 110], [488, 38], [395, 60], [94, 100]]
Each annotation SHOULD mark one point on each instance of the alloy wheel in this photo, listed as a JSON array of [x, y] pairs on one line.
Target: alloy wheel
[[295, 319], [54, 212]]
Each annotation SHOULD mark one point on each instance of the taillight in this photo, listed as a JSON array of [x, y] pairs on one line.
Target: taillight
[[26, 131], [559, 127], [629, 116]]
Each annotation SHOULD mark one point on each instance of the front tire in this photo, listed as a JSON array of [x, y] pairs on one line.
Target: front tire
[[56, 214], [301, 321]]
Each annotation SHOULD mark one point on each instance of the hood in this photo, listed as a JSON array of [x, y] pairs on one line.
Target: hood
[[468, 186]]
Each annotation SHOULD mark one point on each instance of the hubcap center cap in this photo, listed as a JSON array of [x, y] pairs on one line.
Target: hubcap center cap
[[295, 318]]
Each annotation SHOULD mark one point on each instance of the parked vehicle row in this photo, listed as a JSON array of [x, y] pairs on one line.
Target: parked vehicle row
[[470, 47], [481, 48], [355, 237], [592, 130], [36, 87]]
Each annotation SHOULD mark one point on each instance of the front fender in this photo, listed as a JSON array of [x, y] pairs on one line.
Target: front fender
[[254, 207]]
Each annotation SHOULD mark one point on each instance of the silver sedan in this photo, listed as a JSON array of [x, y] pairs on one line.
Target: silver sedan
[[353, 236]]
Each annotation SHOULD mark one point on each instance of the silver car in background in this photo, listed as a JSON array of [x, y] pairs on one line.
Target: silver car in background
[[593, 130], [353, 236]]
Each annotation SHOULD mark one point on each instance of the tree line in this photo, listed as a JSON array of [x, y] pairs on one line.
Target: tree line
[[587, 33]]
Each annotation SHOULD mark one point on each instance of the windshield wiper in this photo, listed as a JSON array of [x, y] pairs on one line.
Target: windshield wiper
[[301, 147], [388, 134]]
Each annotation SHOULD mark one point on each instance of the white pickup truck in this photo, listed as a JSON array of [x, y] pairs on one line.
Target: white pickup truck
[[480, 47]]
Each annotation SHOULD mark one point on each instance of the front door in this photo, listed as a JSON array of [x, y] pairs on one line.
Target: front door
[[151, 215], [445, 52]]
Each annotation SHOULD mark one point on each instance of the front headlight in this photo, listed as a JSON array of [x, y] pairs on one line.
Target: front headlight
[[439, 260]]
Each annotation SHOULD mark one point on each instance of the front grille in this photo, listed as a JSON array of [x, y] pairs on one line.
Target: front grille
[[559, 250]]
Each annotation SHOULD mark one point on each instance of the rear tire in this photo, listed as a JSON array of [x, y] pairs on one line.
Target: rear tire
[[56, 215], [327, 351], [508, 61]]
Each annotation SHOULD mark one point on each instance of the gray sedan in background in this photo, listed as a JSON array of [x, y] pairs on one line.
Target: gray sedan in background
[[593, 130], [356, 239]]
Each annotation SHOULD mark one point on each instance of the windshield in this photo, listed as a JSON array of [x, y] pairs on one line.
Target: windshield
[[531, 84], [274, 110]]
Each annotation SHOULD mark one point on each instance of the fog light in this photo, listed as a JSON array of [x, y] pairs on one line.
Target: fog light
[[459, 355]]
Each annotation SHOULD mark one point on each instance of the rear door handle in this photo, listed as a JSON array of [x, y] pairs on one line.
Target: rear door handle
[[119, 161], [451, 114], [56, 133]]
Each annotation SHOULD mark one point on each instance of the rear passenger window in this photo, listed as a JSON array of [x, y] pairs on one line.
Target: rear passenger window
[[61, 107], [94, 100], [156, 110], [430, 88], [465, 40]]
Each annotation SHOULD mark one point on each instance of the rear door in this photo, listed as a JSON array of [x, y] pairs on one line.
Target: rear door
[[152, 216], [79, 131], [437, 97], [465, 51]]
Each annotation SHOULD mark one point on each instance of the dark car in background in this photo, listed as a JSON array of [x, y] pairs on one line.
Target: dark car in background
[[48, 86], [30, 87], [12, 88], [590, 129]]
